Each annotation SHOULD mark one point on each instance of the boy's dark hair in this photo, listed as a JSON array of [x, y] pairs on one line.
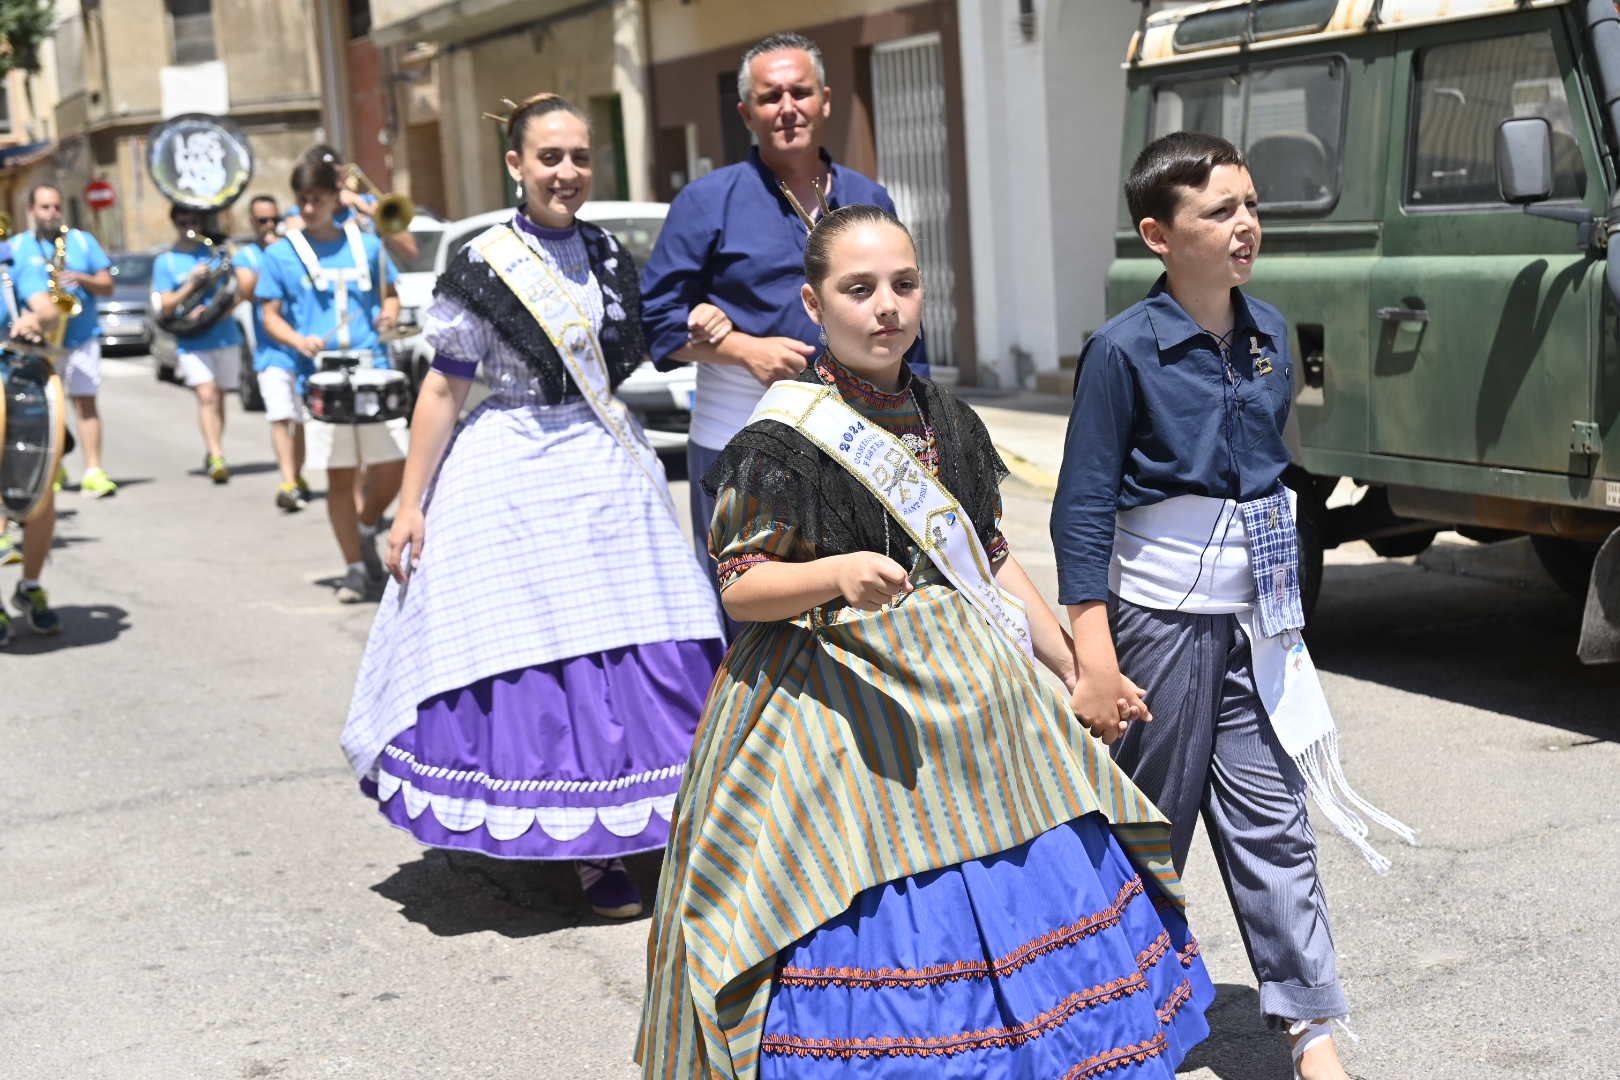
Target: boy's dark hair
[[1182, 159], [314, 173]]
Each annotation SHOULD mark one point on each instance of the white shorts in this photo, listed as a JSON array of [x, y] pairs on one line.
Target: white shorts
[[81, 371], [279, 388], [348, 446], [222, 365]]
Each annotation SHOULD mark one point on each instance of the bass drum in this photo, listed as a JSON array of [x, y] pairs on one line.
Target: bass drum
[[33, 423]]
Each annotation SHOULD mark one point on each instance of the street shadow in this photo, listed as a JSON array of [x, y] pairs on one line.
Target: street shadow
[[1240, 1045], [451, 893], [82, 627], [1491, 643], [252, 468]]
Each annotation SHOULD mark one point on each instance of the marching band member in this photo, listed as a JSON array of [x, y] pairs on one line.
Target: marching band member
[[537, 667], [27, 316], [895, 850], [279, 370], [210, 357], [319, 292], [358, 206], [87, 275]]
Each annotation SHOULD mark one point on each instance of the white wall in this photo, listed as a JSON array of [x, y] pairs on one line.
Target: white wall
[[1085, 42]]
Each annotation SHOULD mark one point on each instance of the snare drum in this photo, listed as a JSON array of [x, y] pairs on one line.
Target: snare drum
[[330, 397], [33, 427], [380, 394]]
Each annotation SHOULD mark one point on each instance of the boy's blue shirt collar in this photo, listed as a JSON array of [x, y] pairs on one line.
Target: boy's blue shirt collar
[[1172, 326]]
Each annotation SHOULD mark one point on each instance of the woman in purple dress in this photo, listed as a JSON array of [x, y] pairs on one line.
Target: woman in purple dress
[[537, 667]]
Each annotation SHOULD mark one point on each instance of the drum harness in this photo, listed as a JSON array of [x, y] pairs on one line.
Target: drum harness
[[324, 278]]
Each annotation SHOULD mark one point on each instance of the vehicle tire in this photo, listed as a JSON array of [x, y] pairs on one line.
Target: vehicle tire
[[1309, 527], [252, 400], [1405, 545], [1567, 562]]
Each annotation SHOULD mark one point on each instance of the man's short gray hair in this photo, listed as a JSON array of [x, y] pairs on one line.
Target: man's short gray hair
[[776, 43]]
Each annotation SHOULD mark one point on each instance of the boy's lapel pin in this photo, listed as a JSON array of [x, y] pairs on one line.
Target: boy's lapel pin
[[1263, 366], [1254, 346]]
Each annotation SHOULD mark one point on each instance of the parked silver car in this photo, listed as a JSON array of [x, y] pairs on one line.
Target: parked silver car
[[122, 316]]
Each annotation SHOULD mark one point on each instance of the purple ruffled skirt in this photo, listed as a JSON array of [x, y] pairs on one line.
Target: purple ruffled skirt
[[575, 759]]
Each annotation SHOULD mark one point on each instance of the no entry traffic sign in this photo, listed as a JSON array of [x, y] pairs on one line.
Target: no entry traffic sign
[[99, 194]]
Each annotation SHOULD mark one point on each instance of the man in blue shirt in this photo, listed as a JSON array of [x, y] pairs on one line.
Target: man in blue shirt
[[19, 316], [279, 370], [210, 358], [87, 276], [732, 242]]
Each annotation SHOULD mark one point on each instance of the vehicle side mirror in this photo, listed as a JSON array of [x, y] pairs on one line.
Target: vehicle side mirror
[[1524, 168]]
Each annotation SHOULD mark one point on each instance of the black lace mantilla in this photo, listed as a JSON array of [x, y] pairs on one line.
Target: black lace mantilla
[[799, 485], [471, 283]]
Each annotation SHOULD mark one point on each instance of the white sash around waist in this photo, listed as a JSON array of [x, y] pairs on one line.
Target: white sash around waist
[[929, 514], [1190, 553], [536, 285]]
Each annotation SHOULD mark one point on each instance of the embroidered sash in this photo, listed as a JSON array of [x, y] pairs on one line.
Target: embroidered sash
[[536, 284], [929, 514], [324, 277]]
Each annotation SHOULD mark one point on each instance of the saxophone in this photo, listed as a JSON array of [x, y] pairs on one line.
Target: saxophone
[[67, 305]]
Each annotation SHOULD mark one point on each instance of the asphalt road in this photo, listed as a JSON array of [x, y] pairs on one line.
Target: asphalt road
[[192, 886]]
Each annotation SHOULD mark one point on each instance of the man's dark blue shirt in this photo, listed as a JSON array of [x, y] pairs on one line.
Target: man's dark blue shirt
[[1156, 414], [733, 240]]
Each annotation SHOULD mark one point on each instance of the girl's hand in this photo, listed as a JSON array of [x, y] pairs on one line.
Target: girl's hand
[[868, 580], [410, 528], [707, 324], [1106, 703]]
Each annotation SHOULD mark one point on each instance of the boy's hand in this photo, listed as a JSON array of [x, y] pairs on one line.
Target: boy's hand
[[1106, 703], [868, 580]]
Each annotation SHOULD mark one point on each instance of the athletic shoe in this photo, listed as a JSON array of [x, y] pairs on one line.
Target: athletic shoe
[[303, 489], [609, 889], [216, 468], [5, 629], [96, 484], [61, 479], [369, 556], [36, 606], [288, 499], [10, 548], [353, 589]]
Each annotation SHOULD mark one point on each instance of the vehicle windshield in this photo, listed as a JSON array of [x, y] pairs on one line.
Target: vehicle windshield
[[131, 269], [427, 246]]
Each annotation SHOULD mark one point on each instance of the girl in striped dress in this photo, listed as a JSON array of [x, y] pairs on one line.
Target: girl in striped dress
[[895, 852]]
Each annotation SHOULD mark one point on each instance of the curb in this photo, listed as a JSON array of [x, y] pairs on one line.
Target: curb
[[1029, 473]]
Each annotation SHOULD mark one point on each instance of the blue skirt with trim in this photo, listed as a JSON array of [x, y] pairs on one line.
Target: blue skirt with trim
[[1053, 960]]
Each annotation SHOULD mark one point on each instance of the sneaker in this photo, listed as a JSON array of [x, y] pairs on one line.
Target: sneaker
[[61, 479], [36, 606], [609, 889], [10, 548], [5, 628], [217, 470], [354, 586], [369, 556], [96, 484], [303, 488], [288, 499]]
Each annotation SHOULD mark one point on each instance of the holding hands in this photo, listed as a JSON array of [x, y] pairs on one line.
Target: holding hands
[[1107, 702]]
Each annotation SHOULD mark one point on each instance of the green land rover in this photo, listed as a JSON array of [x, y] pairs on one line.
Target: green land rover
[[1457, 354]]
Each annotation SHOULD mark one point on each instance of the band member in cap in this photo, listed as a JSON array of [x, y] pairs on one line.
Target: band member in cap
[[280, 371], [319, 292], [541, 657], [190, 276], [87, 275]]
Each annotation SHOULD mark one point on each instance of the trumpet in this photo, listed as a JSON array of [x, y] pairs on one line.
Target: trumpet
[[67, 305], [393, 211]]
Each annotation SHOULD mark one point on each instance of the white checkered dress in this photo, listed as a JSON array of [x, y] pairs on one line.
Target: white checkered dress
[[543, 541]]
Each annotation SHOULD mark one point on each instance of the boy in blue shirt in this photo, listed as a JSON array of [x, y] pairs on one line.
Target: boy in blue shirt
[[86, 275], [329, 286], [279, 370], [1177, 559], [211, 358]]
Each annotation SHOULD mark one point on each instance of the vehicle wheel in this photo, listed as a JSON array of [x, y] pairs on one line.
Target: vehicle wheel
[[1404, 545], [1308, 525], [252, 400], [1567, 562]]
